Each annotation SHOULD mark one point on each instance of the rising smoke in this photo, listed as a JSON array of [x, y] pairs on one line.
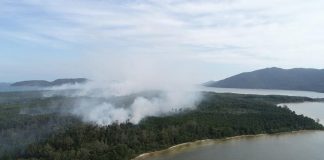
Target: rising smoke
[[130, 89]]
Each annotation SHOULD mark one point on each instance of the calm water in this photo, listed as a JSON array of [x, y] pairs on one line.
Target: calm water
[[314, 110], [292, 146], [263, 92], [296, 146]]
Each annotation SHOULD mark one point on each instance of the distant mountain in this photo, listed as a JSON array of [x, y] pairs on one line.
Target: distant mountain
[[275, 78], [40, 83], [69, 81], [43, 83]]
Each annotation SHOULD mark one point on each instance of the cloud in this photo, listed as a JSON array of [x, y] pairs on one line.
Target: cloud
[[152, 44], [264, 33]]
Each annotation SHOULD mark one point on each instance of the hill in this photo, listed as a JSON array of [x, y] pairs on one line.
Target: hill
[[275, 78], [43, 83]]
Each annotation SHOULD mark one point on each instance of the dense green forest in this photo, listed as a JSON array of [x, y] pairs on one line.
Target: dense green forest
[[30, 128], [27, 118]]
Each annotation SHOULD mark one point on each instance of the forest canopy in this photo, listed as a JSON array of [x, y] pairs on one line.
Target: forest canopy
[[54, 135]]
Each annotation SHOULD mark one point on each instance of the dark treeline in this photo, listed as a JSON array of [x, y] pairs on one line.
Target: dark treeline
[[217, 116], [23, 133], [22, 122]]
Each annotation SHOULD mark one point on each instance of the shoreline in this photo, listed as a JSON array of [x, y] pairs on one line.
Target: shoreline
[[185, 145]]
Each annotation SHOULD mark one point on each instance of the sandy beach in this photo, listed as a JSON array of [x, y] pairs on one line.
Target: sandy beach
[[182, 146]]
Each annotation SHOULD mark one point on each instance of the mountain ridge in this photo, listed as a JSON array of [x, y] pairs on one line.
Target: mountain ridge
[[304, 79], [44, 83]]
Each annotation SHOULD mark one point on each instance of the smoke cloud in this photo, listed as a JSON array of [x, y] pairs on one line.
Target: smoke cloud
[[130, 88]]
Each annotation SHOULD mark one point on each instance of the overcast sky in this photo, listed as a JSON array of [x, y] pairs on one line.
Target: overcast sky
[[210, 39]]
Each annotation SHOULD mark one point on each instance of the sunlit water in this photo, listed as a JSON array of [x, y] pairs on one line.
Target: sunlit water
[[289, 146]]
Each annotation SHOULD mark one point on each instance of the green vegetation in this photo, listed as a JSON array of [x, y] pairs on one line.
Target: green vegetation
[[217, 116], [27, 118]]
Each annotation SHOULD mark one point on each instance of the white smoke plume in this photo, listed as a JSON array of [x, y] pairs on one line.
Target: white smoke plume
[[166, 85]]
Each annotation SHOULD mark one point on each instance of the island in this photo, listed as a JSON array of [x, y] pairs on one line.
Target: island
[[48, 134]]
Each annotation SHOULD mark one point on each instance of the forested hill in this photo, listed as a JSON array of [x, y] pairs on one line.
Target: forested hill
[[275, 78], [43, 83], [217, 116]]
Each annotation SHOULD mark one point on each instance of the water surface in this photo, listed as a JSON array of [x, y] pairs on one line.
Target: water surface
[[263, 92], [313, 110], [290, 146]]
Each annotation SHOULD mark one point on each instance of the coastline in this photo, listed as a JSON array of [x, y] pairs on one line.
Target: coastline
[[187, 145]]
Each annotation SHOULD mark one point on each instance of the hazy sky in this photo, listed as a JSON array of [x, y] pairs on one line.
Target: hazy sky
[[210, 39]]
